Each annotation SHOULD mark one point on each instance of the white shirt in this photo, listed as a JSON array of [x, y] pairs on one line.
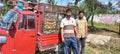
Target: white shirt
[[65, 22]]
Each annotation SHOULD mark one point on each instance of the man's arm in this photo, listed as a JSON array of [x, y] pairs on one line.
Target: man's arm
[[76, 29], [86, 30], [76, 32], [62, 33], [62, 30]]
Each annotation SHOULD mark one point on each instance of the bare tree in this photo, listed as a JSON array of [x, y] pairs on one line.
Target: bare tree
[[76, 2]]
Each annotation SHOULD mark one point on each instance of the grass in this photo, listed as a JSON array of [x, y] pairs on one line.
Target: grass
[[88, 50], [104, 29], [108, 30], [108, 48], [108, 26]]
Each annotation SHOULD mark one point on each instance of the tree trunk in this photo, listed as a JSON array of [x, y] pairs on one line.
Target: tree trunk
[[92, 24], [88, 17], [76, 2], [3, 1]]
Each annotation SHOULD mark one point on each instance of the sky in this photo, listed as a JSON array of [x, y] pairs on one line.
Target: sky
[[65, 2], [60, 2]]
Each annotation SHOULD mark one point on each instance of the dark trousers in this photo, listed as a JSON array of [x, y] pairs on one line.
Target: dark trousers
[[81, 43], [71, 42]]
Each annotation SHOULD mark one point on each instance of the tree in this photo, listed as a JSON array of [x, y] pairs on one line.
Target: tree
[[118, 3], [93, 7], [52, 2], [6, 6], [5, 1], [76, 2]]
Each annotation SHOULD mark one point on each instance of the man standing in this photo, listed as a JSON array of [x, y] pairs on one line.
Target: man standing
[[68, 31], [82, 31]]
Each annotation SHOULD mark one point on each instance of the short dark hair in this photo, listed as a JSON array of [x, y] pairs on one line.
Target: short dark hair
[[81, 12], [68, 10]]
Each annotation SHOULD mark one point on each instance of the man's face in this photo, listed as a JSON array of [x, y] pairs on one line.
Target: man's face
[[68, 14], [81, 15]]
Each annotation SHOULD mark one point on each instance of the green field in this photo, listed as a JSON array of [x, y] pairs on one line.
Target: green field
[[104, 29]]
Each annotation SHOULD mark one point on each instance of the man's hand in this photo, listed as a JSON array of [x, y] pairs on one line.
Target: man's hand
[[76, 33], [63, 40], [78, 37]]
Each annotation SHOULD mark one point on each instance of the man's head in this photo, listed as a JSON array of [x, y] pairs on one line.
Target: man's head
[[68, 13], [81, 14]]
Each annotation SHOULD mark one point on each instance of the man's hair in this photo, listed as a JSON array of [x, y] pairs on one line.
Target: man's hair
[[81, 12], [68, 10]]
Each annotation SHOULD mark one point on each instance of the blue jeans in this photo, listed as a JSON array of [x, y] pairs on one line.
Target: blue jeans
[[71, 42], [82, 45]]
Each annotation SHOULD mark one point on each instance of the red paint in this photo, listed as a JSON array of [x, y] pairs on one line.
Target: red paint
[[3, 32], [8, 47]]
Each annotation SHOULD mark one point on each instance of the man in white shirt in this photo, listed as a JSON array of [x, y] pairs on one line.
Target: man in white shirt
[[69, 33]]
